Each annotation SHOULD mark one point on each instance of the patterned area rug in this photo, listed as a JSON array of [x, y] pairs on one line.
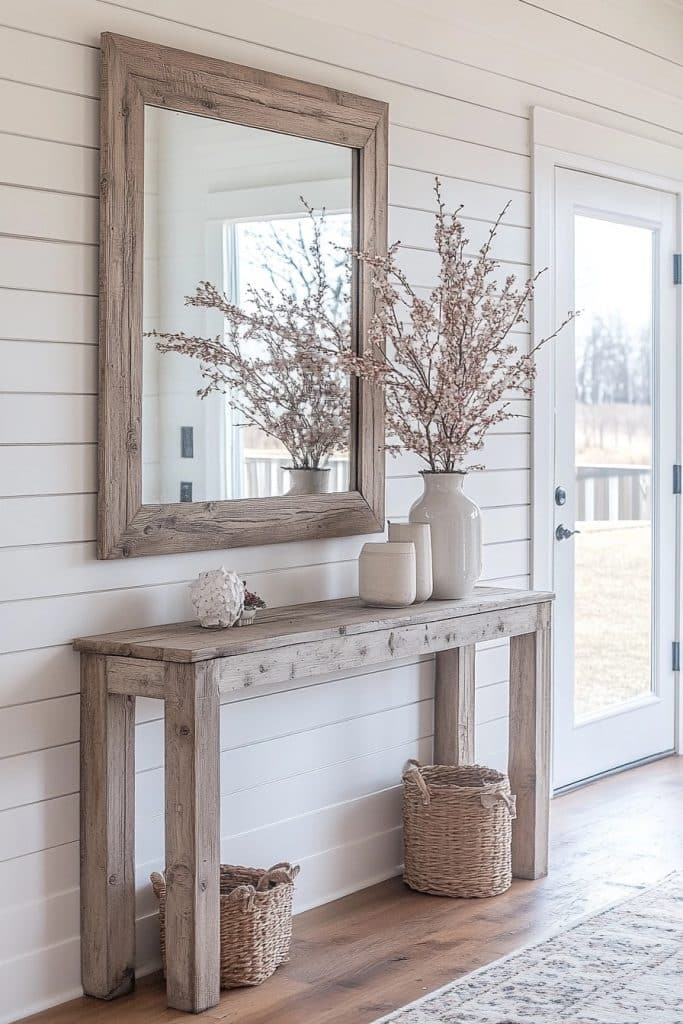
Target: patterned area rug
[[621, 966]]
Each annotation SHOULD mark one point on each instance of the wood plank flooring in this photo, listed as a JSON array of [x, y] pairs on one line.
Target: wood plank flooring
[[360, 957]]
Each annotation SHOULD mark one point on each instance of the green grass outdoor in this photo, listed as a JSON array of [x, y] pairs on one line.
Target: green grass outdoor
[[612, 615]]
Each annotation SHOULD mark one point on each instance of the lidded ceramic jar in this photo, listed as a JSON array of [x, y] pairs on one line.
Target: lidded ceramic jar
[[386, 574]]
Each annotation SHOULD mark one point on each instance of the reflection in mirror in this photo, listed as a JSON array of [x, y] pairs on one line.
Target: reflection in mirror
[[241, 394]]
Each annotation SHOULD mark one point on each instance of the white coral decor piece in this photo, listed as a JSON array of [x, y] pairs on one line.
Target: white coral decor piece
[[217, 598]]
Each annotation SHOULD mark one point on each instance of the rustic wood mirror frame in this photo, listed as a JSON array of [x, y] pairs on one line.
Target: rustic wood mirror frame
[[135, 73]]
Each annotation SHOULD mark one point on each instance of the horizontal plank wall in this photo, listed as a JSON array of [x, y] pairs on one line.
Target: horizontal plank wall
[[309, 774]]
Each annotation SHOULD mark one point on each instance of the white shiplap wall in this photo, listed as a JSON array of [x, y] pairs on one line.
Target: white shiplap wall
[[308, 774]]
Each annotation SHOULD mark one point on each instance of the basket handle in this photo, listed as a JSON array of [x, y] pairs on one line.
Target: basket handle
[[244, 896], [158, 884], [412, 771], [277, 874], [489, 800]]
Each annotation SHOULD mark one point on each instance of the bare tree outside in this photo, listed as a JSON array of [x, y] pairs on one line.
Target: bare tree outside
[[613, 394]]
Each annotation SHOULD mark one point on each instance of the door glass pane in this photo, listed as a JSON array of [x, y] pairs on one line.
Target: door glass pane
[[613, 434]]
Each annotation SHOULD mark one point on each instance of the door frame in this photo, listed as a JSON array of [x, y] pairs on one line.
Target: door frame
[[564, 141]]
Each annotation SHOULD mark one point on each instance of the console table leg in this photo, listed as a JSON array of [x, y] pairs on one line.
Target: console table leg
[[107, 834], [192, 836], [529, 757], [454, 706]]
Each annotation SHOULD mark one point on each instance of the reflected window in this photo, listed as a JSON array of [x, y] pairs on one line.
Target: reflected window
[[273, 256]]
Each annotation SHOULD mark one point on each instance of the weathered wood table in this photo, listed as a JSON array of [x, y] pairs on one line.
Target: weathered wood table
[[190, 668]]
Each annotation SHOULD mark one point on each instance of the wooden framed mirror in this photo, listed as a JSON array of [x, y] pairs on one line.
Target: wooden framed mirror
[[250, 188]]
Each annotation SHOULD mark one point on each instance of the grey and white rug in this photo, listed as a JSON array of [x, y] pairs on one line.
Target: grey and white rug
[[623, 965]]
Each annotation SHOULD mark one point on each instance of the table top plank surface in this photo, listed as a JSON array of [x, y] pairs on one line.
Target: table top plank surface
[[280, 627]]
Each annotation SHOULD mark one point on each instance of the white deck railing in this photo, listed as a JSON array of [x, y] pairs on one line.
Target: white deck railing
[[613, 493]]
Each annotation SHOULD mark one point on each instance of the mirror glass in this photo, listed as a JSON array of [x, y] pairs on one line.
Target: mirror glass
[[242, 394]]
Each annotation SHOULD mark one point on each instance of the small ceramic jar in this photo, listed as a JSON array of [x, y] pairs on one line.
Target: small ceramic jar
[[421, 536], [386, 575]]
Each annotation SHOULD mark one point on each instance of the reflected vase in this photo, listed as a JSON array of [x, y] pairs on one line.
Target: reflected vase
[[455, 522], [308, 481]]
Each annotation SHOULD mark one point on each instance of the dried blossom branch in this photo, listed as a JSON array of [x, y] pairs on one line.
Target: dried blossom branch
[[445, 362], [281, 357]]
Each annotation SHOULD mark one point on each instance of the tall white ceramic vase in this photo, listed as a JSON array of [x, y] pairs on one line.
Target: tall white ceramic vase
[[456, 533]]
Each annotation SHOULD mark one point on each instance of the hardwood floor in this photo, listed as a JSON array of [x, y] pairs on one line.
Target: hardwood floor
[[367, 954]]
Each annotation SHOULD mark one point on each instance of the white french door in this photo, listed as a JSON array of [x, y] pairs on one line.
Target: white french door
[[615, 430]]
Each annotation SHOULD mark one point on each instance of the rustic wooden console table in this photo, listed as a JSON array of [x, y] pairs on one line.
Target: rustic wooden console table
[[189, 668]]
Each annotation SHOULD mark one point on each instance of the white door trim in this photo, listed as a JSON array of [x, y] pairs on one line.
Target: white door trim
[[560, 140]]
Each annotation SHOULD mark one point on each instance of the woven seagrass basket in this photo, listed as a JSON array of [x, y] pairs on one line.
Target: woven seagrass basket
[[457, 829], [255, 921]]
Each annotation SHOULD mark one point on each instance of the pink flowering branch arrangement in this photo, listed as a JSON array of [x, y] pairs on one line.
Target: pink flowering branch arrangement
[[445, 361], [280, 357]]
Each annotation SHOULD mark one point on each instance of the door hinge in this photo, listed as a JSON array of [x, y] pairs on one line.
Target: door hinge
[[676, 656], [678, 268], [677, 481]]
